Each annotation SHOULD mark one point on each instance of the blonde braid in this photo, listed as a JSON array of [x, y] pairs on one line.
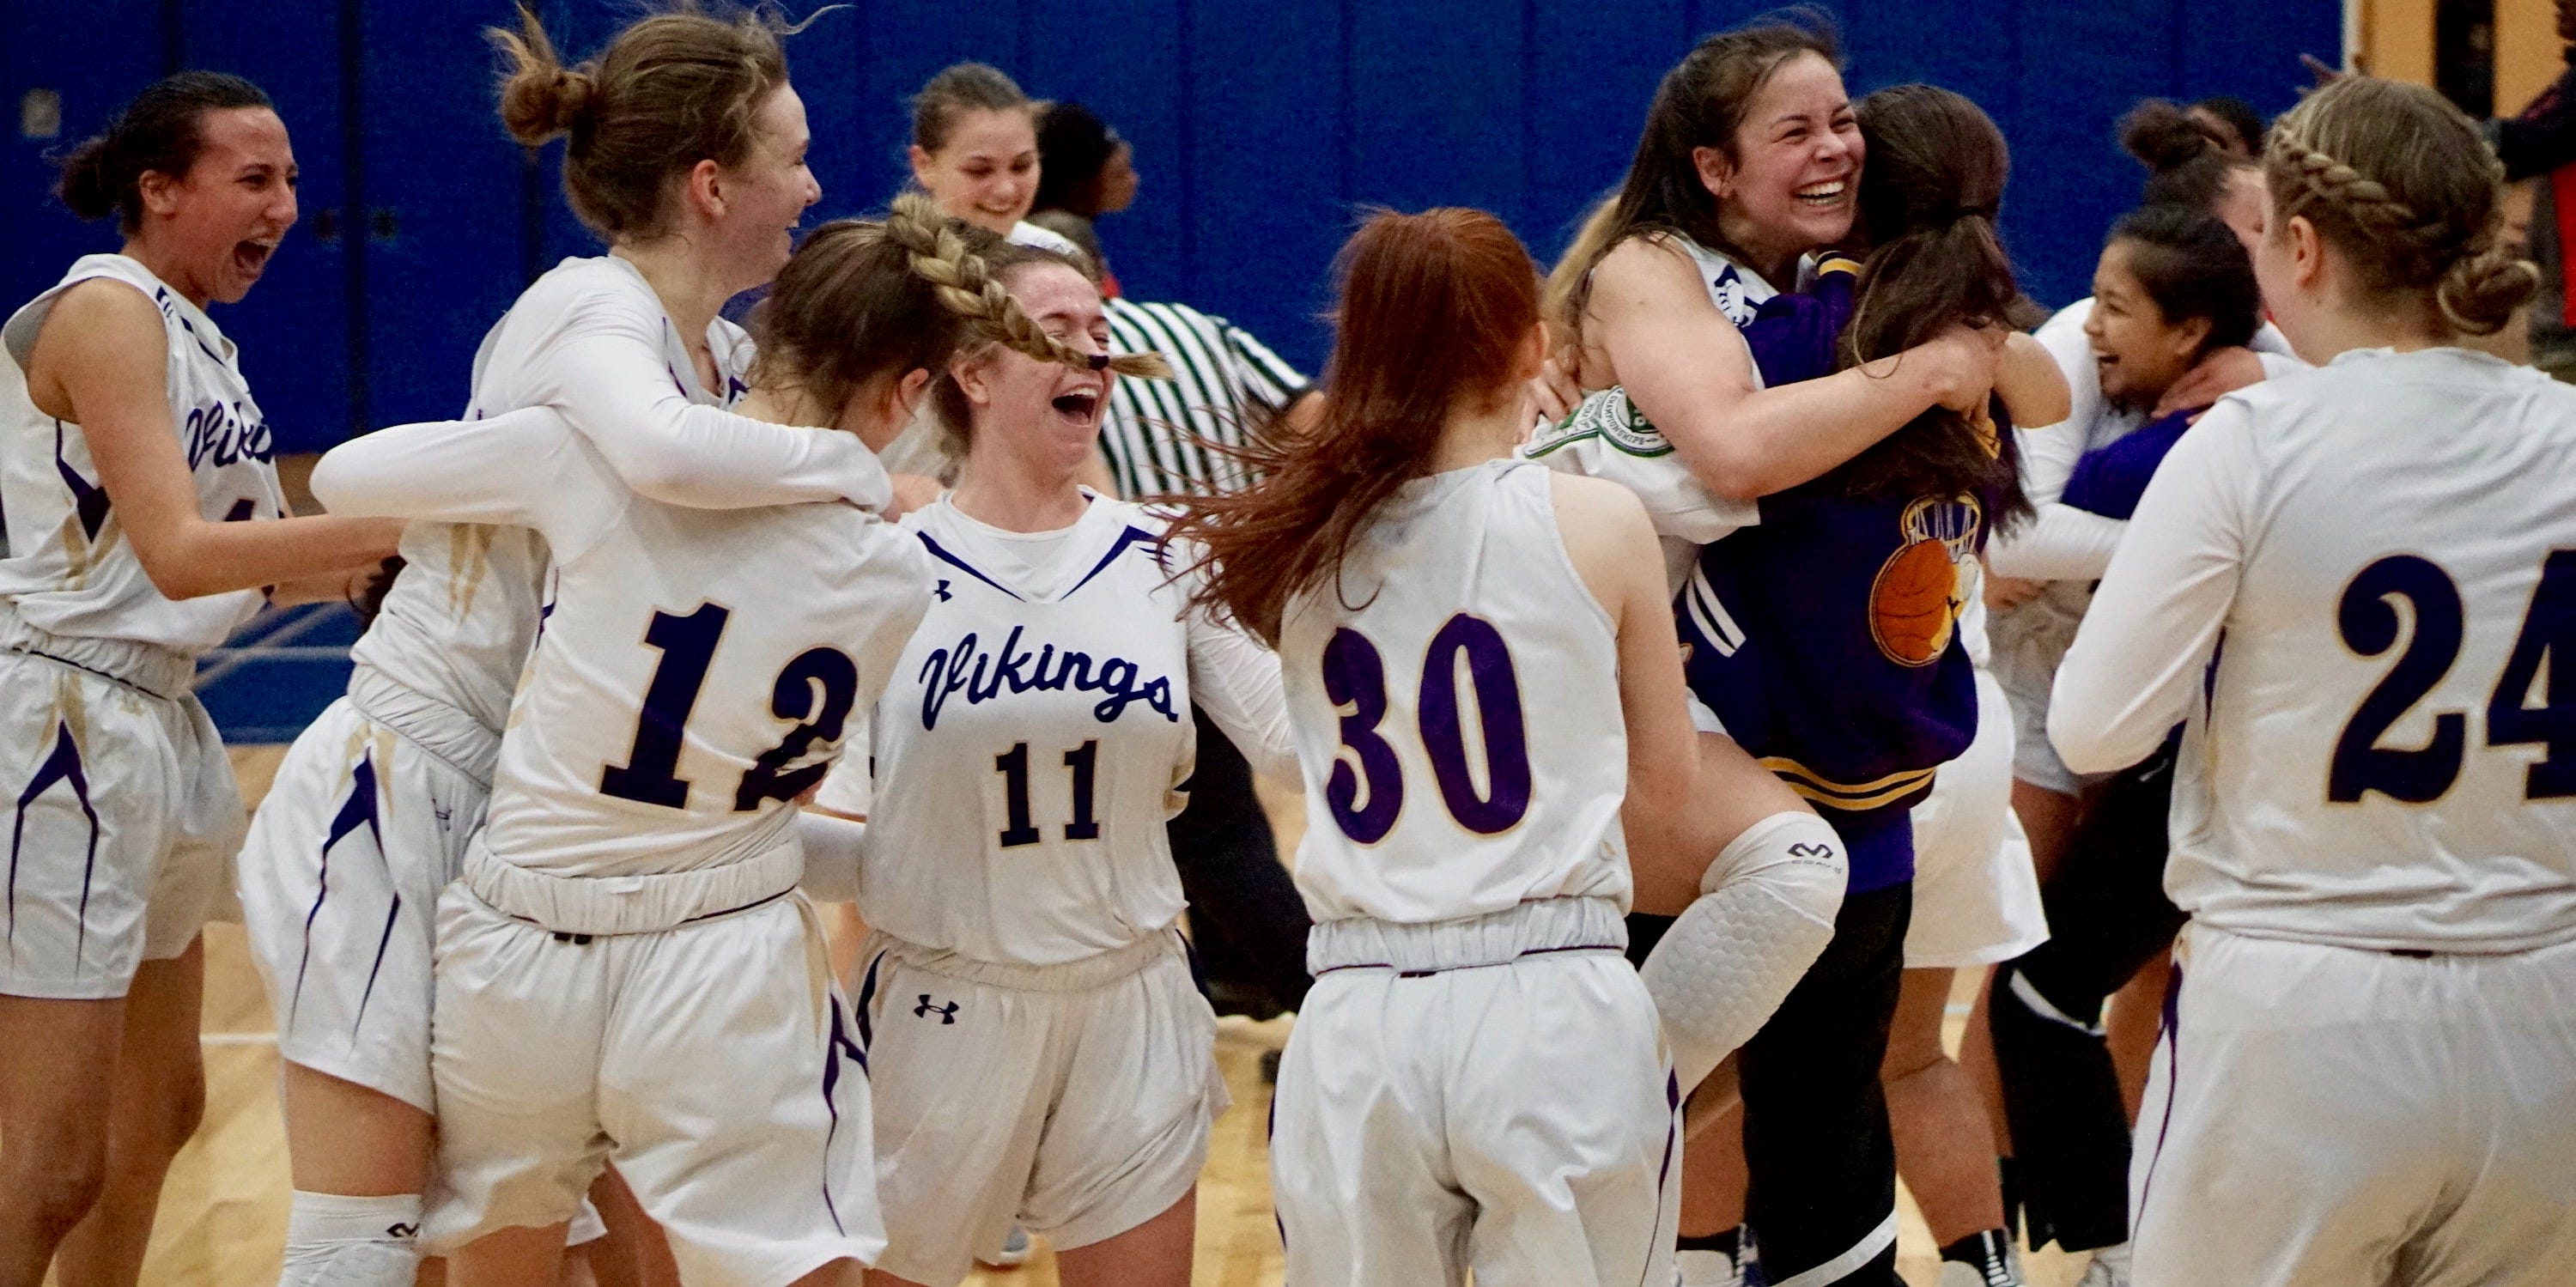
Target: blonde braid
[[2360, 198], [967, 285]]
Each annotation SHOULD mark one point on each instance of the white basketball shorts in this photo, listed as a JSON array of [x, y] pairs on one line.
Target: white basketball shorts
[[714, 1064], [121, 817], [339, 886], [1074, 1100], [1515, 1116], [1976, 895], [2327, 1116]]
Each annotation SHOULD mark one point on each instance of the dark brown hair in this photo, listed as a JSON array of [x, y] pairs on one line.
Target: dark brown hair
[[1434, 308], [2187, 165], [861, 299], [1928, 204], [2406, 187], [1701, 103], [162, 131], [671, 90], [2192, 265], [957, 90]]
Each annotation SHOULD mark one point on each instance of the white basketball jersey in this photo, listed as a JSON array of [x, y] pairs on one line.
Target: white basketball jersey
[[458, 622], [1455, 702], [1028, 751], [697, 669], [2382, 753], [68, 568]]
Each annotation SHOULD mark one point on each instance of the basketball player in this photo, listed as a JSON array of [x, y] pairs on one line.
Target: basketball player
[[624, 971], [2174, 294], [131, 452], [1475, 1080], [2364, 1076], [1860, 733], [688, 160], [1037, 1049], [975, 151]]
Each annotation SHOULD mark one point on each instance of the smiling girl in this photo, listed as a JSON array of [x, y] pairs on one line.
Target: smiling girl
[[130, 453], [687, 158]]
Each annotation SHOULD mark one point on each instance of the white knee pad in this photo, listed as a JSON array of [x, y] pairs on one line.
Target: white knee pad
[[1766, 910], [338, 1241]]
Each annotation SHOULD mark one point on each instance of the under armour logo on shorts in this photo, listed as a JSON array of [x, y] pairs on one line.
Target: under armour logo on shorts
[[947, 1013]]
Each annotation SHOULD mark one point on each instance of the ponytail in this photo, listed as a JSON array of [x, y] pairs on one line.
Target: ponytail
[[161, 131]]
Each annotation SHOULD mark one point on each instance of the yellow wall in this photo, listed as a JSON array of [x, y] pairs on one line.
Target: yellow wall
[[2397, 42]]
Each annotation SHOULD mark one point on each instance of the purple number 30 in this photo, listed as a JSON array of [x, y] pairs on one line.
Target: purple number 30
[[1355, 677]]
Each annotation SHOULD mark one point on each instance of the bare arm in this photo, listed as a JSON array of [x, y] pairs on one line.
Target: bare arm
[[2034, 390], [1688, 793], [101, 362], [1686, 366]]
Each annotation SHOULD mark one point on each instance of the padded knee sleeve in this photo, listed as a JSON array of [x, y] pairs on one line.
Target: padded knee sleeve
[[338, 1241], [1766, 910]]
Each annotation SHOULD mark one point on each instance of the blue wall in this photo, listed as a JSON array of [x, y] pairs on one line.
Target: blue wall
[[1258, 124]]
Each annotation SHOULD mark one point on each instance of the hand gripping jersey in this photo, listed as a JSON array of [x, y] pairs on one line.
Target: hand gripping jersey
[[2379, 756], [1036, 734], [68, 569], [589, 339], [697, 671], [1455, 703]]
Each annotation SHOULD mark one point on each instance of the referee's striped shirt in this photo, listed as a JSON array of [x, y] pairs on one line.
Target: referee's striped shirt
[[1223, 379]]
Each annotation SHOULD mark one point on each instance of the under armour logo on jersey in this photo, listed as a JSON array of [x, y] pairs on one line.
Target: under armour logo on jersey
[[947, 1013], [942, 591]]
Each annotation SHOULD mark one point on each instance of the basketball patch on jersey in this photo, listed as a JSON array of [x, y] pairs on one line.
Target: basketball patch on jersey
[[1914, 601]]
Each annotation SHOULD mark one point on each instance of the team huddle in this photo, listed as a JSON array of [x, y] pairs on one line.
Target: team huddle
[[741, 850]]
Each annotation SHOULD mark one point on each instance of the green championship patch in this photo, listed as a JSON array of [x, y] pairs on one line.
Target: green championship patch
[[1611, 417]]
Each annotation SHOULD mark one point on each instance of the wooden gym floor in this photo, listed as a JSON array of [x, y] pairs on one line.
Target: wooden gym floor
[[223, 1213]]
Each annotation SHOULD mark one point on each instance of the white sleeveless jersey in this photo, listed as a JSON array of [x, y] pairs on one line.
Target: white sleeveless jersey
[[2359, 584], [1459, 729], [68, 568], [1028, 751], [458, 622], [696, 670]]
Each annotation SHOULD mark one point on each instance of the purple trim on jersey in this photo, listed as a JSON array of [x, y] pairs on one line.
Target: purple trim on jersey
[[1672, 1137], [832, 1050], [940, 552], [88, 500], [191, 329], [383, 941], [62, 764], [1131, 536], [359, 810], [2173, 1087], [867, 998]]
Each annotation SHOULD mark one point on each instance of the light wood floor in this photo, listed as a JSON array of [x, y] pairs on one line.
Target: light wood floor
[[223, 1214]]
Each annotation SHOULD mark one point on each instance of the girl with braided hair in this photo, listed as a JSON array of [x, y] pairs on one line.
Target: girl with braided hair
[[2363, 1076], [1038, 1050], [625, 971]]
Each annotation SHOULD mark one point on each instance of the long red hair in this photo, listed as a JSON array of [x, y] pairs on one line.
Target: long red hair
[[1434, 309]]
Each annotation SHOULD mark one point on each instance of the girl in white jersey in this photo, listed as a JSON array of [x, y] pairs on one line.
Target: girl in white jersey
[[688, 160], [1482, 675], [1037, 1048], [130, 451], [2366, 1068], [624, 971]]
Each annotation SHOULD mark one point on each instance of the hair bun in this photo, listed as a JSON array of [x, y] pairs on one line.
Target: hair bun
[[2162, 136], [85, 185], [541, 102], [2480, 292]]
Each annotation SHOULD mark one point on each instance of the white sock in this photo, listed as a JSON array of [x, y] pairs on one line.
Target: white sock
[[338, 1241]]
